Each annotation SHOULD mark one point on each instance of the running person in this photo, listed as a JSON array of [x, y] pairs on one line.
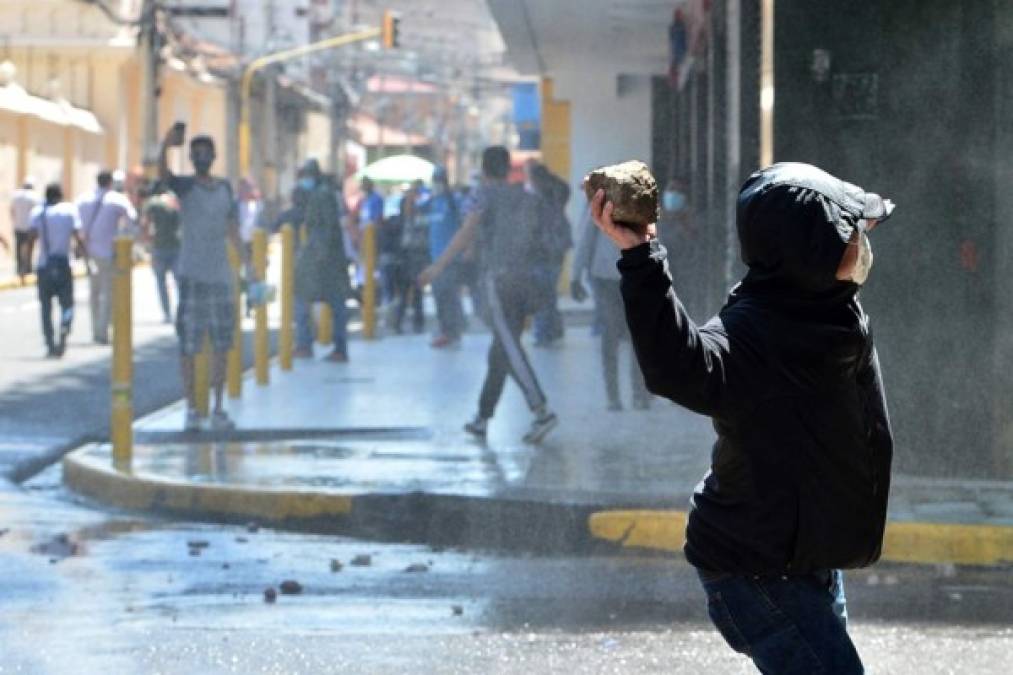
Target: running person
[[505, 223]]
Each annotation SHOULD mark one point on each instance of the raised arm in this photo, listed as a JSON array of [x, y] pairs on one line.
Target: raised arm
[[173, 138], [680, 361]]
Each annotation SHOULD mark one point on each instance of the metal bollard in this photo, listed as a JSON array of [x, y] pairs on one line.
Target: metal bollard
[[122, 376], [287, 296], [234, 372], [325, 325], [202, 378], [260, 342], [369, 284]]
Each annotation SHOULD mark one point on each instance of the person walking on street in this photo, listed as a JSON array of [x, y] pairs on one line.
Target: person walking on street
[[102, 213], [442, 217], [596, 257], [160, 224], [23, 203], [55, 224], [414, 257], [505, 223], [800, 472], [208, 222], [553, 193], [369, 213], [321, 266]]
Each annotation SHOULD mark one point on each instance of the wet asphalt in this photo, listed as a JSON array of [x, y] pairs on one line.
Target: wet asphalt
[[48, 407], [88, 590]]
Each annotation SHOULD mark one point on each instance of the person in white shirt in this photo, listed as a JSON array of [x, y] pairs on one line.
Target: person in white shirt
[[102, 213], [23, 201], [55, 224]]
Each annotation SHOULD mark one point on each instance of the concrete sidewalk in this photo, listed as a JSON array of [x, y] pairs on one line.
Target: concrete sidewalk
[[375, 448]]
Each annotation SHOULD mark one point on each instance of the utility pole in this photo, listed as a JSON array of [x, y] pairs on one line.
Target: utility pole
[[148, 46]]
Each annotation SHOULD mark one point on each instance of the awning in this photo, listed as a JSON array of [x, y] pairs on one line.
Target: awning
[[398, 169], [14, 99]]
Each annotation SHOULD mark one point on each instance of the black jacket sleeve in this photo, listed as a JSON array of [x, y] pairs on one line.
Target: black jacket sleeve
[[877, 417], [679, 360]]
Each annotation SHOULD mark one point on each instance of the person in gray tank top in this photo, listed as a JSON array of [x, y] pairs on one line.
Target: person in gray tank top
[[208, 222]]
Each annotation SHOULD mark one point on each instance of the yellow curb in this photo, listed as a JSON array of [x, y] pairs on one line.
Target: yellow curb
[[903, 542], [89, 475]]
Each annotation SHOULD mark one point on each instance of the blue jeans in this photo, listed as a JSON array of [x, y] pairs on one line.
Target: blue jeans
[[447, 295], [163, 261], [793, 624], [548, 322], [304, 323]]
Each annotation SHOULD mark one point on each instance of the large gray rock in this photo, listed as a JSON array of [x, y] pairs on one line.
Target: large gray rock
[[631, 187]]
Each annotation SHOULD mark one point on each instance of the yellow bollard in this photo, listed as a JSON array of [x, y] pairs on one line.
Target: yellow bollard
[[234, 371], [260, 346], [325, 325], [287, 296], [122, 376], [369, 284], [202, 378]]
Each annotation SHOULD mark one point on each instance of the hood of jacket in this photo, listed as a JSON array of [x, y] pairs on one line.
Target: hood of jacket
[[794, 222]]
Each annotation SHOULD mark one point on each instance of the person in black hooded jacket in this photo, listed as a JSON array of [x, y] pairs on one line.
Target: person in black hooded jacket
[[787, 370]]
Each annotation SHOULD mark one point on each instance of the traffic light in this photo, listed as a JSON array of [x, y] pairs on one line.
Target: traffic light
[[391, 27]]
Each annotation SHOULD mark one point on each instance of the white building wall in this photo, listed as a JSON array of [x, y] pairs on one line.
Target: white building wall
[[605, 127]]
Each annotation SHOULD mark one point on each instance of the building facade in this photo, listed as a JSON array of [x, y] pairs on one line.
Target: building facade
[[908, 98]]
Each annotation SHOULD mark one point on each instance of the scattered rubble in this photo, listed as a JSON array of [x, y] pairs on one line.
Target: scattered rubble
[[417, 567], [270, 595], [362, 560], [57, 548], [290, 587], [336, 565]]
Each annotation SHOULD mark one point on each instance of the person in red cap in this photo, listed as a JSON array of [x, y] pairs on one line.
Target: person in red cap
[[800, 471]]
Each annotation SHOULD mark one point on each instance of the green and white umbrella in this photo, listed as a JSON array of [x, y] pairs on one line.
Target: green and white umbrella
[[398, 169]]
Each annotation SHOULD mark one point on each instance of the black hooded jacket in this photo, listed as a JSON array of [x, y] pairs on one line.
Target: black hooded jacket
[[787, 370]]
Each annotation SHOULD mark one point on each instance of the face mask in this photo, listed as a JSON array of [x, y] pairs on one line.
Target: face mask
[[307, 183], [864, 262], [673, 200], [202, 162]]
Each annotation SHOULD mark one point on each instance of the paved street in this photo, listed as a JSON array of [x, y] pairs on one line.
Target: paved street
[[49, 405], [127, 594]]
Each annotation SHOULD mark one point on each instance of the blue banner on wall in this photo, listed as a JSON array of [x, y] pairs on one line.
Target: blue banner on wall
[[527, 115]]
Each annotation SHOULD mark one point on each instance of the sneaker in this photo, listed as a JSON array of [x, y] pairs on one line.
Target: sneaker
[[61, 345], [542, 425], [444, 342], [220, 421], [477, 427], [337, 357], [302, 353], [194, 421]]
